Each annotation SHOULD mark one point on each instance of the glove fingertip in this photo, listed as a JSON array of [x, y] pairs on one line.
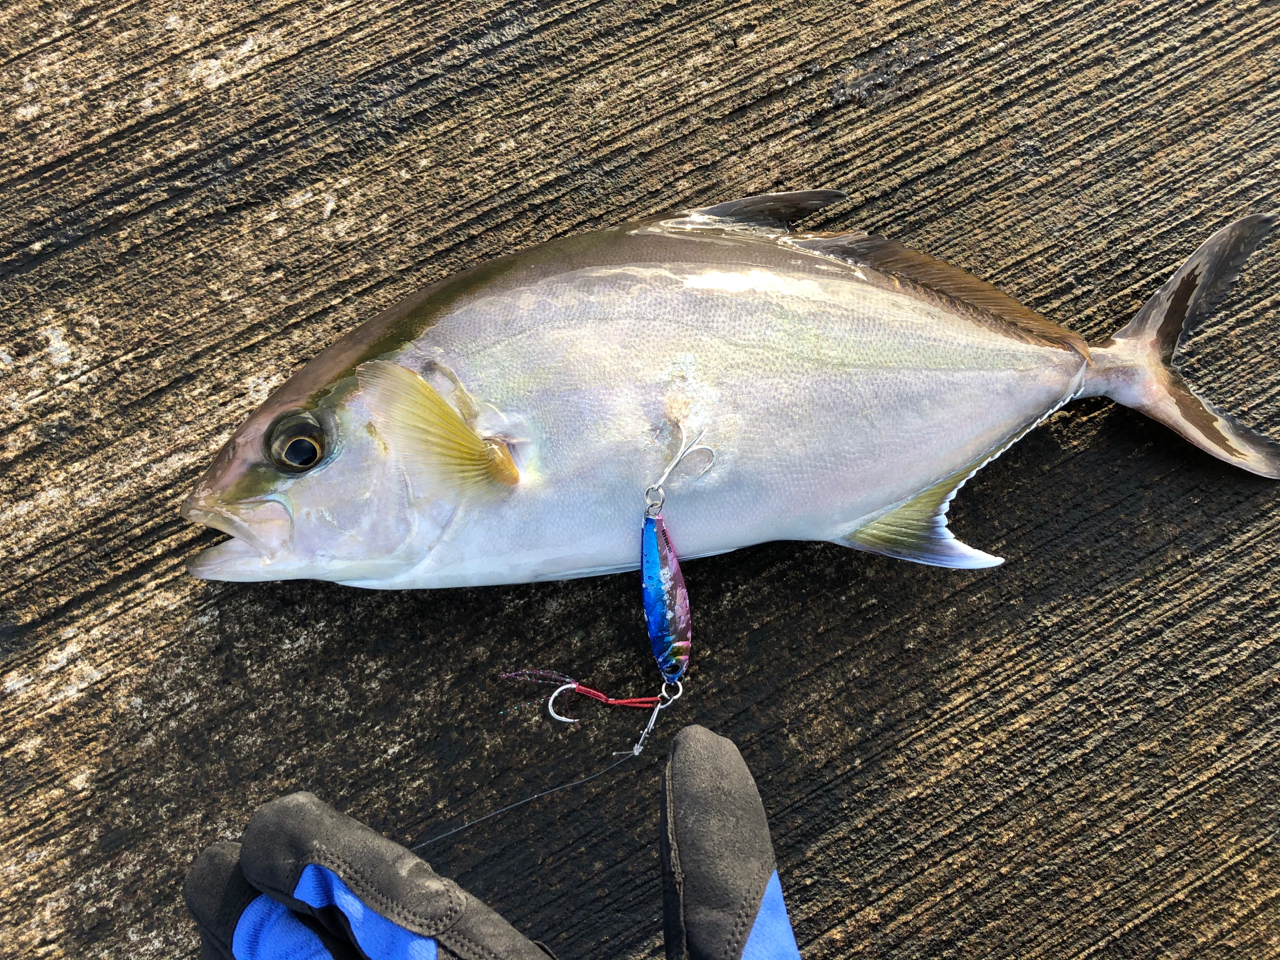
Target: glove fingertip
[[283, 836], [696, 746], [288, 836], [216, 892], [716, 850]]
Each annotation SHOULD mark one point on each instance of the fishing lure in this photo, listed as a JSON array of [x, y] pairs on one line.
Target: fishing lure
[[666, 610], [666, 602]]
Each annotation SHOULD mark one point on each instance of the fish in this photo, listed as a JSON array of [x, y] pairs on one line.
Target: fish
[[503, 425]]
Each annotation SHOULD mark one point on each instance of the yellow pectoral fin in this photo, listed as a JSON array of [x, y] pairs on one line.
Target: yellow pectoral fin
[[429, 435]]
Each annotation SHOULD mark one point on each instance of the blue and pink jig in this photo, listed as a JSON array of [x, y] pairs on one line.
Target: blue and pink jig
[[666, 611]]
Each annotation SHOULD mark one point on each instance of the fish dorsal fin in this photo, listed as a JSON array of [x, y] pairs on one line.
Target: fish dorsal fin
[[428, 435], [910, 266], [774, 212], [917, 530]]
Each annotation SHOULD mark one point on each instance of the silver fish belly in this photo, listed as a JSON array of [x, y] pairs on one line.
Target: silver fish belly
[[847, 388]]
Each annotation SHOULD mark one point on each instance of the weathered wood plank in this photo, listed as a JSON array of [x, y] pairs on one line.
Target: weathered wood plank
[[1072, 755]]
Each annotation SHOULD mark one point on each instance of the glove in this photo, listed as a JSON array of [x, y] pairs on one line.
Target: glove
[[308, 883], [722, 899]]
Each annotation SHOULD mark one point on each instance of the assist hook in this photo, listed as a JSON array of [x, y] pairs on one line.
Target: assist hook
[[671, 691], [551, 703]]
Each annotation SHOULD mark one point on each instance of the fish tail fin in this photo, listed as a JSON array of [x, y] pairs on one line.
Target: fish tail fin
[[1135, 366]]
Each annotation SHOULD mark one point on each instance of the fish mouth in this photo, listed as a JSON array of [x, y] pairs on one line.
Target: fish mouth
[[260, 531]]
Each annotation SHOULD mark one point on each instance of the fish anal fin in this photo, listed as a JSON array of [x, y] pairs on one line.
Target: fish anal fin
[[917, 530], [767, 211], [430, 436], [895, 260]]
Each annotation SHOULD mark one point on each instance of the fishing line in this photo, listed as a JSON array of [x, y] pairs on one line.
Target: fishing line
[[520, 803], [660, 703]]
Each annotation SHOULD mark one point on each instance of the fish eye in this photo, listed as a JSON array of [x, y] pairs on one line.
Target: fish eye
[[296, 442]]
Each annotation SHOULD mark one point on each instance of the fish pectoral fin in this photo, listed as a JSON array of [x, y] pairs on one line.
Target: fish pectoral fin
[[917, 530], [462, 398], [767, 211], [427, 434]]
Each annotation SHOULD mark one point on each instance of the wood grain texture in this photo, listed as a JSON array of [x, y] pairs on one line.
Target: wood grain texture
[[1073, 755]]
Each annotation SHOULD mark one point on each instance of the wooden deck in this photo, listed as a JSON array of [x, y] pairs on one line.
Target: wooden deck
[[1073, 755]]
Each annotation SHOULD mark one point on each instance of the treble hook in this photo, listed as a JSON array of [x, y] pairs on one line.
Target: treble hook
[[551, 703], [655, 495]]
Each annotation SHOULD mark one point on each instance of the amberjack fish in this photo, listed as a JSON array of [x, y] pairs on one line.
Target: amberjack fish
[[502, 425]]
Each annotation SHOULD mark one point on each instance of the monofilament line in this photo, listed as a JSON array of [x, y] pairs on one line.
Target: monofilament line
[[520, 803]]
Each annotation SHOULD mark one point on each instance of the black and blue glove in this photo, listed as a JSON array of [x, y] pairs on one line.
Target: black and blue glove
[[308, 883], [721, 895]]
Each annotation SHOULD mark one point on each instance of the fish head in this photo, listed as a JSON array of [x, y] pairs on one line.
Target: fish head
[[307, 489]]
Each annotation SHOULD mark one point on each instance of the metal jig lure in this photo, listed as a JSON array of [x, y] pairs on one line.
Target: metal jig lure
[[666, 602], [666, 607]]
